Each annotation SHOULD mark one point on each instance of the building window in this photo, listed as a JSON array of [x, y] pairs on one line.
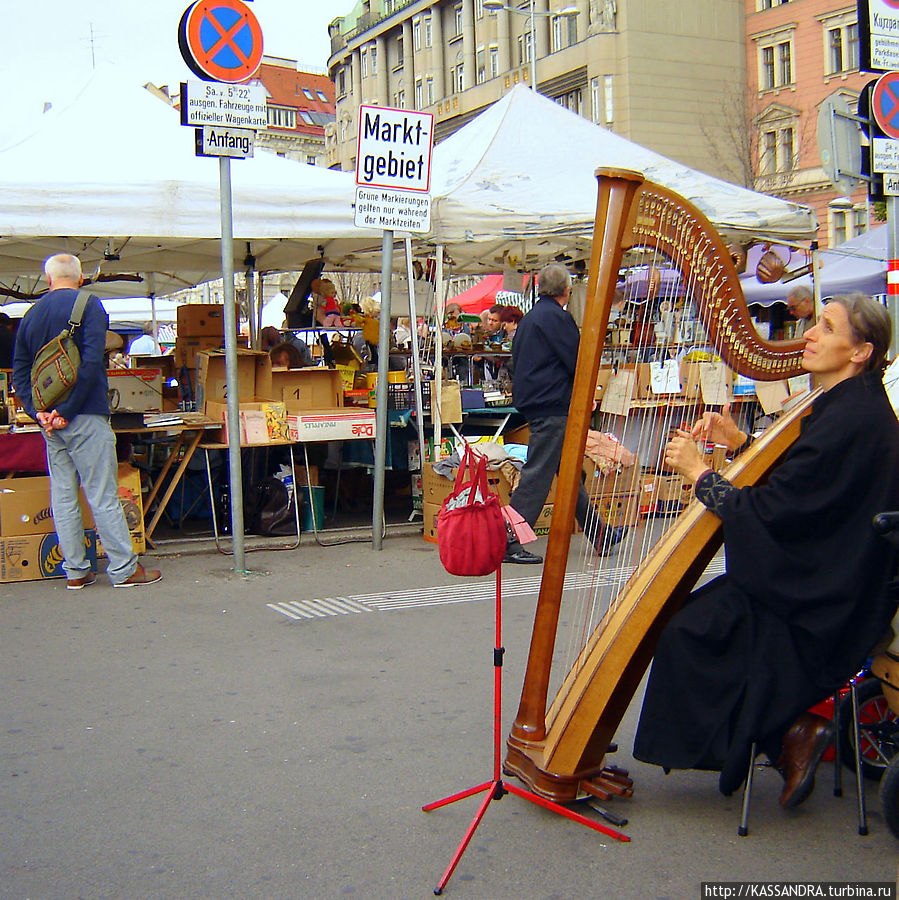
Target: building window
[[281, 116], [610, 106], [416, 34], [310, 159], [564, 32], [341, 83], [308, 94], [841, 50], [419, 94], [321, 97], [429, 89], [775, 62], [770, 4], [494, 61], [524, 48], [306, 117], [457, 78], [573, 101], [427, 30], [399, 52], [373, 54], [364, 58], [778, 150], [480, 66], [479, 9], [399, 99], [457, 20]]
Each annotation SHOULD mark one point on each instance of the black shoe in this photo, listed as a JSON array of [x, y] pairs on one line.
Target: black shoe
[[522, 557], [611, 537]]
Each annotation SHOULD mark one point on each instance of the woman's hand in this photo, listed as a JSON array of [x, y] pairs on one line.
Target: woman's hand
[[683, 456], [719, 428]]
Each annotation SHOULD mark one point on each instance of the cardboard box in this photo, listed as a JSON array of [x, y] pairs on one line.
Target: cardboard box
[[436, 488], [134, 390], [624, 482], [414, 452], [429, 512], [337, 424], [356, 397], [188, 349], [544, 520], [313, 387], [690, 380], [196, 319], [520, 435], [254, 376], [25, 506], [132, 505], [30, 557], [620, 509], [165, 364]]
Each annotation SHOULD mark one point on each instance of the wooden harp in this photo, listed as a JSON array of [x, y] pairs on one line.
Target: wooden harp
[[557, 748]]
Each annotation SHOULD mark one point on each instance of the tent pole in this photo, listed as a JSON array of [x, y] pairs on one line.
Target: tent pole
[[377, 515], [437, 395], [234, 470], [416, 359], [151, 284]]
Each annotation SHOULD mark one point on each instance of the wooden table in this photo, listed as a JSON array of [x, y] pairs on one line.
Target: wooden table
[[187, 437]]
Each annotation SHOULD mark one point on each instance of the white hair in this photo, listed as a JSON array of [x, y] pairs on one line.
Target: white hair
[[63, 266]]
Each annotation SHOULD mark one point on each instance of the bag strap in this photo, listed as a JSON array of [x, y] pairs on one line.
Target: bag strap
[[78, 309]]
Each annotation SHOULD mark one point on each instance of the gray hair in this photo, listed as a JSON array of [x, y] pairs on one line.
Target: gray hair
[[802, 292], [870, 323], [553, 280], [63, 266]]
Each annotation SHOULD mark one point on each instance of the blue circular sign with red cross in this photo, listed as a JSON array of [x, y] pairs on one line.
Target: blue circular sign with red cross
[[885, 103], [220, 40]]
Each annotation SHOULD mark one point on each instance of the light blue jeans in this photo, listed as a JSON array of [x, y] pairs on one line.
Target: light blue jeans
[[85, 450]]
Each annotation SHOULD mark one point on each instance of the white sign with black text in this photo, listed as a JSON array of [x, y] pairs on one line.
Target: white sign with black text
[[394, 149], [237, 143], [392, 210], [883, 21], [885, 155], [226, 105]]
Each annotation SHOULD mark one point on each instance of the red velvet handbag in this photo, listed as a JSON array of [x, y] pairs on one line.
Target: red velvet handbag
[[471, 531]]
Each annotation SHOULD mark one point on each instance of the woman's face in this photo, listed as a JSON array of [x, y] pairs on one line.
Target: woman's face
[[281, 360], [831, 352]]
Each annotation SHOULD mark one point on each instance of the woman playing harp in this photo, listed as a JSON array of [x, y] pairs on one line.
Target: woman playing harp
[[804, 598], [573, 699]]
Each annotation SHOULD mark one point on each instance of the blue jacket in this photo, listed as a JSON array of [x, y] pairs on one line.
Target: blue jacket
[[42, 323], [544, 355]]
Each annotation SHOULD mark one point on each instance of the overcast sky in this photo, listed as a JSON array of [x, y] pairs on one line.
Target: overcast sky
[[50, 46]]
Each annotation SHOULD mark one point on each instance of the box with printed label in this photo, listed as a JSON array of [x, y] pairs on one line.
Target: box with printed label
[[620, 509], [621, 482], [338, 424], [134, 390], [429, 512], [25, 506], [30, 557]]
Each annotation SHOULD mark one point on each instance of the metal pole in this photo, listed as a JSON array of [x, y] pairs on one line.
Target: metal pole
[[533, 50], [234, 470], [377, 514], [892, 257], [416, 360]]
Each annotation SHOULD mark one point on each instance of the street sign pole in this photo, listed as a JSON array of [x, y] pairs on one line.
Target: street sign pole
[[381, 392], [234, 467]]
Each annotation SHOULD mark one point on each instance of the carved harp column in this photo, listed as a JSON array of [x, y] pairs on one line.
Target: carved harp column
[[558, 747]]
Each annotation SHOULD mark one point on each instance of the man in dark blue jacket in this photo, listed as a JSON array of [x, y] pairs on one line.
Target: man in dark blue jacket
[[80, 442], [544, 356]]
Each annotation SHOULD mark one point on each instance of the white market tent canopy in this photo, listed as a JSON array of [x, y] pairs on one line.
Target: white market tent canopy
[[114, 179], [517, 184]]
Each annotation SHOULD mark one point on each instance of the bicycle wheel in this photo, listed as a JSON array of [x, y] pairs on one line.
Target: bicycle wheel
[[878, 730]]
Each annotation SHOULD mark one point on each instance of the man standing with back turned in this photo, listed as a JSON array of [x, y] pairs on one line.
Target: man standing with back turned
[[544, 356], [80, 442]]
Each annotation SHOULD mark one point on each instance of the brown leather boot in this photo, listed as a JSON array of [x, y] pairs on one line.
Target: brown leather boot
[[803, 746]]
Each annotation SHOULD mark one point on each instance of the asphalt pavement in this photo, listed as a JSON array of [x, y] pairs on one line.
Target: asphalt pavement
[[274, 734]]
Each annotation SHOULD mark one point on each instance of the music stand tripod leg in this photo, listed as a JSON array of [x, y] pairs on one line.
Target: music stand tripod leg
[[496, 788]]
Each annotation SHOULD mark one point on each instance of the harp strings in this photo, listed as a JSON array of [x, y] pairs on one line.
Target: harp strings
[[646, 427]]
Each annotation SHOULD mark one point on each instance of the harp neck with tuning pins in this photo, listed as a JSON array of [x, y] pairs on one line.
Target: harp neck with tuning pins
[[557, 746]]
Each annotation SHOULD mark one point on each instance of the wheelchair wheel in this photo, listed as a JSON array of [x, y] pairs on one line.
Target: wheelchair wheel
[[889, 795], [878, 730]]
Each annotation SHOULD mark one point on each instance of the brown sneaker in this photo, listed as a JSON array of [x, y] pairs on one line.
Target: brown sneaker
[[76, 584], [140, 576]]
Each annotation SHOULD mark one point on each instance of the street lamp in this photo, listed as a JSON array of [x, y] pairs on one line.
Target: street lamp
[[569, 12]]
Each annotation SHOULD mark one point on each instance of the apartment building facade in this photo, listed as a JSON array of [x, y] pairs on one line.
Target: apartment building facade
[[799, 53], [662, 73], [299, 107]]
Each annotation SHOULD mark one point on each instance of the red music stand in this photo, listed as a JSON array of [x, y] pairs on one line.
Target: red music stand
[[496, 788]]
